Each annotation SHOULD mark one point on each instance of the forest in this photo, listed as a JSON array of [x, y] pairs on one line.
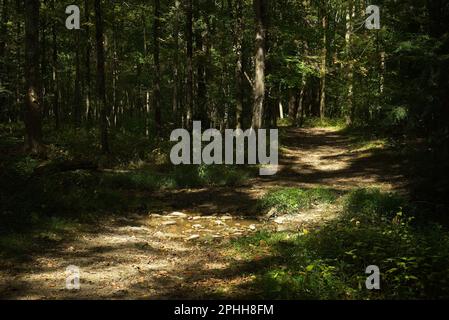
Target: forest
[[92, 205]]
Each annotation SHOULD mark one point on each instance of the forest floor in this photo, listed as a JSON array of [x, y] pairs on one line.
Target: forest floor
[[183, 247]]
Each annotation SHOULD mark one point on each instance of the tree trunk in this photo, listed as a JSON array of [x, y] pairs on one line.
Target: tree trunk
[[200, 109], [350, 68], [300, 112], [4, 74], [33, 113], [239, 64], [55, 78], [189, 71], [3, 29], [260, 7], [101, 78], [77, 95], [87, 92], [292, 103], [157, 68], [175, 101], [323, 70], [114, 67], [147, 91]]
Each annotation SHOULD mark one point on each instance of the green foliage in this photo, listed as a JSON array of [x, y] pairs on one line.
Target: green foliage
[[291, 200], [330, 263], [324, 123], [373, 202]]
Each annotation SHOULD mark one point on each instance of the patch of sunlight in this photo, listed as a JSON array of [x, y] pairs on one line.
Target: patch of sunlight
[[286, 122], [333, 124], [364, 146], [284, 150]]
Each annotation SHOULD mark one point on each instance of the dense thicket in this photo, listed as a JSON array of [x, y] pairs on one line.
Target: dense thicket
[[234, 63]]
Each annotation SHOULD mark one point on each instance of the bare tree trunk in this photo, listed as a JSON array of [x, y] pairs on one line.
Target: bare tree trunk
[[323, 71], [189, 89], [55, 78], [260, 7], [4, 101], [239, 64], [101, 78], [3, 29], [200, 109], [382, 70], [350, 69], [43, 56], [87, 92], [33, 113], [77, 100], [301, 105], [114, 69], [147, 91], [175, 101], [157, 68]]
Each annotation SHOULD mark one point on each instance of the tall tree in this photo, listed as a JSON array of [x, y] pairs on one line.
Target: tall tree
[[200, 110], [350, 14], [323, 69], [101, 77], [260, 8], [77, 94], [54, 66], [157, 67], [33, 113], [87, 82], [4, 28], [147, 90], [175, 101], [189, 67], [239, 64], [3, 54]]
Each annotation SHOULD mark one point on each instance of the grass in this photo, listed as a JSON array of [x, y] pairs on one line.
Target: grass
[[291, 200], [330, 262], [325, 123]]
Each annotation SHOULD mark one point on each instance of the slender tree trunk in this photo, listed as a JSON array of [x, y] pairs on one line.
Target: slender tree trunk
[[101, 78], [382, 70], [260, 7], [175, 101], [55, 78], [114, 65], [157, 68], [189, 71], [200, 109], [147, 91], [323, 71], [18, 69], [292, 103], [3, 55], [350, 68], [33, 113], [87, 92], [239, 64], [301, 105], [77, 95], [3, 29]]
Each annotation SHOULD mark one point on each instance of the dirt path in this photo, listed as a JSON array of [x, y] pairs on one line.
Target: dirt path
[[178, 251]]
